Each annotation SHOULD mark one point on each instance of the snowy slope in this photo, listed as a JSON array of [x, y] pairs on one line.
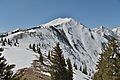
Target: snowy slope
[[104, 31], [79, 43], [116, 31], [21, 57]]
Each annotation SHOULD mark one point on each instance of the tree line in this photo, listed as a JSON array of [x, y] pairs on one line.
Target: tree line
[[108, 66], [58, 67]]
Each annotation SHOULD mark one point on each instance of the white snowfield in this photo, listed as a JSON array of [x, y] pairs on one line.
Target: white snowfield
[[79, 43], [19, 56]]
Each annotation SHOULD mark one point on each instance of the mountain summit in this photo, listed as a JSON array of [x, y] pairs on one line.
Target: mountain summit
[[58, 21]]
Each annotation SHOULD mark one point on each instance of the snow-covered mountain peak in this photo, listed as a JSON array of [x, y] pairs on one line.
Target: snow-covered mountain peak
[[103, 31], [59, 21], [116, 31], [102, 28], [78, 43]]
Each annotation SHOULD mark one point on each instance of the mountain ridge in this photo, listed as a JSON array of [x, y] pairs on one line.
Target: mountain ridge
[[79, 43]]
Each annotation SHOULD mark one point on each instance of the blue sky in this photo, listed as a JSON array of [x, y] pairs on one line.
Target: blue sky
[[28, 13]]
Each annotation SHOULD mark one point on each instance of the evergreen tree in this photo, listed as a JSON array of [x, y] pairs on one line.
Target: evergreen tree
[[116, 60], [75, 66], [48, 55], [80, 68], [116, 75], [16, 41], [85, 70], [34, 47], [15, 44], [107, 65], [58, 69], [70, 70], [2, 66], [5, 40], [30, 46], [5, 70], [1, 39], [40, 56], [1, 49], [3, 43], [9, 42], [9, 72]]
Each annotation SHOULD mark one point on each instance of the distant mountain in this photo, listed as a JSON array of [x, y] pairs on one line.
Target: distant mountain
[[79, 43]]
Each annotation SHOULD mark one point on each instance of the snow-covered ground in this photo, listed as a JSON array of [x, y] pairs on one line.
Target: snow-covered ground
[[21, 57]]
